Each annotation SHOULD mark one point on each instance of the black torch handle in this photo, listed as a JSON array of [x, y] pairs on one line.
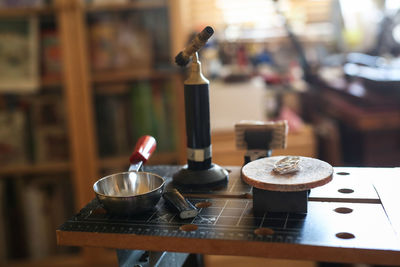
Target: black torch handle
[[197, 113]]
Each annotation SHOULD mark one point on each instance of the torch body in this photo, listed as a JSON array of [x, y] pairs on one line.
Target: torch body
[[200, 171], [197, 115]]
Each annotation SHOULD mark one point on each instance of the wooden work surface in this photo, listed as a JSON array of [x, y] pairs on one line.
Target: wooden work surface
[[311, 173], [355, 218]]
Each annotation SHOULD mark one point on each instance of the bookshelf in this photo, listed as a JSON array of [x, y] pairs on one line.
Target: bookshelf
[[78, 84], [127, 75], [109, 7], [35, 168], [24, 11]]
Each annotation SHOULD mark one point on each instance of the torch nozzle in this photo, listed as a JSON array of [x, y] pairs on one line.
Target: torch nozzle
[[183, 58]]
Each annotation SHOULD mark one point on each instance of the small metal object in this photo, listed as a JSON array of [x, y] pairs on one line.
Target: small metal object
[[132, 192], [185, 209], [129, 192], [287, 165]]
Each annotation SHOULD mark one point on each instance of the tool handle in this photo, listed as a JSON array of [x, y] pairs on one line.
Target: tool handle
[[144, 147], [184, 208]]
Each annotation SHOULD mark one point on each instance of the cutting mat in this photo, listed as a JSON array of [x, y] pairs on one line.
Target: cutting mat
[[345, 217]]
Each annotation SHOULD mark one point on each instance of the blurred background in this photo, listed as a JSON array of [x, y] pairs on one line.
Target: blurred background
[[80, 81]]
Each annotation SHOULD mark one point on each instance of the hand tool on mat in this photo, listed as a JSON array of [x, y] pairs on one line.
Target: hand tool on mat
[[200, 171], [133, 192]]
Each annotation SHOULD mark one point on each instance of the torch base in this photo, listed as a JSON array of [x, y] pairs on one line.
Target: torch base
[[215, 175]]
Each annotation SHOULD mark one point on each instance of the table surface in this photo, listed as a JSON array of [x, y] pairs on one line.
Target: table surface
[[355, 218]]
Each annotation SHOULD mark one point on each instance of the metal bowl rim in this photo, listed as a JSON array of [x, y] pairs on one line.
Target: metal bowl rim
[[111, 196]]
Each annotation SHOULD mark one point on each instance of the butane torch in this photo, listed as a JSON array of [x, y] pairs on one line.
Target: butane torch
[[200, 170]]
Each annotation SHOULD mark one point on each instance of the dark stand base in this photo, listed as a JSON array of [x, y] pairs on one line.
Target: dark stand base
[[274, 201], [212, 176]]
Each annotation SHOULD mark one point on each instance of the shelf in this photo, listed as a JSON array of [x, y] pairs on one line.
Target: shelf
[[25, 11], [120, 75], [51, 82], [37, 168], [122, 162], [130, 74], [149, 4]]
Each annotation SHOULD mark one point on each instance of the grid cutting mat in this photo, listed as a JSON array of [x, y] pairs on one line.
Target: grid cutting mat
[[345, 216]]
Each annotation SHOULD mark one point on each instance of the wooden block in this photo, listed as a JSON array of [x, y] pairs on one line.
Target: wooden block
[[312, 173], [302, 143]]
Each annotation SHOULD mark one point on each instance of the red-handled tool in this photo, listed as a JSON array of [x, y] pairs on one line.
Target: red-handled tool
[[134, 191], [144, 147]]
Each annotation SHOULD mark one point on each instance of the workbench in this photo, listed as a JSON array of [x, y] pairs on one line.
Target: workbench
[[353, 219]]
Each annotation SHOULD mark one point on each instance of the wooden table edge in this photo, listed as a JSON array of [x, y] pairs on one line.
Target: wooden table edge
[[229, 247]]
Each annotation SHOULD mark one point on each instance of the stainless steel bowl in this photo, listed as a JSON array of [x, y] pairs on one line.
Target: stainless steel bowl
[[128, 193]]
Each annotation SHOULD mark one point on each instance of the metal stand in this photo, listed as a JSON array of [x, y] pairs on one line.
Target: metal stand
[[200, 170]]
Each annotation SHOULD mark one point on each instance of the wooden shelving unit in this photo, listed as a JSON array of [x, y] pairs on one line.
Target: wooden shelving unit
[[24, 11], [35, 168], [51, 82], [116, 7], [130, 74], [78, 84]]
